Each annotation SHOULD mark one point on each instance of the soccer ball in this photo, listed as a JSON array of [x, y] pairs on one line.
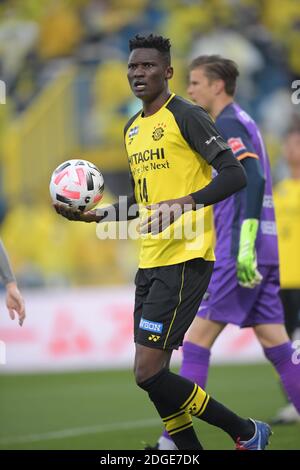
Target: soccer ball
[[77, 183]]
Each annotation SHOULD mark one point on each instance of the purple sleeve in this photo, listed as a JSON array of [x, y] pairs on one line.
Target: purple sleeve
[[237, 137]]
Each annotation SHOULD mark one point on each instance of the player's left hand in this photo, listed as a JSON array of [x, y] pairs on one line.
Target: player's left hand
[[15, 302], [247, 272], [165, 213]]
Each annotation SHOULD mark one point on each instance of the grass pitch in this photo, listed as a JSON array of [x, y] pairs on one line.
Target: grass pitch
[[105, 410]]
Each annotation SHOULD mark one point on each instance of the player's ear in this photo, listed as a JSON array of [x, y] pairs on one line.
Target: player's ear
[[219, 86], [169, 72]]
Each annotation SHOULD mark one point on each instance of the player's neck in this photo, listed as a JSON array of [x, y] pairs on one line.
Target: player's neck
[[219, 104], [152, 107]]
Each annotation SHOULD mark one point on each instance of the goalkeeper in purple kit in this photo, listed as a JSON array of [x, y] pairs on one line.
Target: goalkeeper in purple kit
[[244, 288]]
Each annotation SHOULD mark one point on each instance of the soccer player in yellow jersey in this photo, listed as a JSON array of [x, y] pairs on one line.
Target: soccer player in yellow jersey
[[287, 205], [171, 146]]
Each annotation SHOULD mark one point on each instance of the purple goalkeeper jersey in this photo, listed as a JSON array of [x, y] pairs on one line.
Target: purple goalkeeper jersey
[[245, 140]]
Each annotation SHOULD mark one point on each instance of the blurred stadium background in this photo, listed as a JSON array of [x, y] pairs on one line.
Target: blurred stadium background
[[64, 65]]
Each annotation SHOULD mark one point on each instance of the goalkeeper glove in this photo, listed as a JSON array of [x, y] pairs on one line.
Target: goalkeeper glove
[[247, 273]]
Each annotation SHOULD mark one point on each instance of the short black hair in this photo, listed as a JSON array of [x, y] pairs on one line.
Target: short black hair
[[217, 67], [161, 44]]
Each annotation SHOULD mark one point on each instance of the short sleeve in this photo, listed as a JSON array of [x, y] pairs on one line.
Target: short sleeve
[[237, 138], [201, 134]]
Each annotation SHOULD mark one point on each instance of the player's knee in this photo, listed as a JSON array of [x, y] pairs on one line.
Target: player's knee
[[143, 372], [148, 362], [146, 368], [204, 332], [271, 335], [140, 377]]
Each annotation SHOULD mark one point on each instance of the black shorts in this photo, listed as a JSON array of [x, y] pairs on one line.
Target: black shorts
[[167, 299], [291, 303]]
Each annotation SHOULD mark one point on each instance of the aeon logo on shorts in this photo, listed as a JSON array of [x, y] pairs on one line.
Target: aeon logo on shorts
[[151, 325]]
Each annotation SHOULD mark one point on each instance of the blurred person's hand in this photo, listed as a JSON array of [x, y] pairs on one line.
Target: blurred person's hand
[[15, 302], [247, 272]]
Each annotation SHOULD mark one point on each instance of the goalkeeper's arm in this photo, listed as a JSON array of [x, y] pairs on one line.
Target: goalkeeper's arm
[[255, 188], [247, 273]]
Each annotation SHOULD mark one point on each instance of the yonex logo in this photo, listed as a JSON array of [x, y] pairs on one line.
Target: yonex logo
[[192, 409], [151, 326], [154, 338]]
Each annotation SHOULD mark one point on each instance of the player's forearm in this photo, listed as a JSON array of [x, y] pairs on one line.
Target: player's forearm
[[231, 178], [125, 209], [6, 273], [255, 188]]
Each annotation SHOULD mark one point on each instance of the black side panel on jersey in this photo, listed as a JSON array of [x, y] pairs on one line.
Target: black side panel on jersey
[[197, 128]]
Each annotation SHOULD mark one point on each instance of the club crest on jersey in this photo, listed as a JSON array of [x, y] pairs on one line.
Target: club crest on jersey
[[236, 144], [158, 131]]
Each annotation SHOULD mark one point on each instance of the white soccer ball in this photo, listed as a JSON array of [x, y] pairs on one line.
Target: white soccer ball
[[77, 183]]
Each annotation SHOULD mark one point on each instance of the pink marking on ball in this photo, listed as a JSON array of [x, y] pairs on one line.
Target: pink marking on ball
[[81, 177], [98, 197], [60, 176], [71, 194]]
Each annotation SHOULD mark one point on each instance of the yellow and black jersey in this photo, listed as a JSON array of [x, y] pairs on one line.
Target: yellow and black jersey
[[169, 154], [287, 207]]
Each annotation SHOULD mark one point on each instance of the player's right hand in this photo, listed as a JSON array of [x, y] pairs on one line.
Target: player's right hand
[[15, 302], [74, 214], [247, 272]]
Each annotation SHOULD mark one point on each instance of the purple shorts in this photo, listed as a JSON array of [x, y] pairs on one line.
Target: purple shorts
[[226, 301]]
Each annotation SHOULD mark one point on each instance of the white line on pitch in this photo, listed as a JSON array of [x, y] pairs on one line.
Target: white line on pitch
[[73, 432]]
